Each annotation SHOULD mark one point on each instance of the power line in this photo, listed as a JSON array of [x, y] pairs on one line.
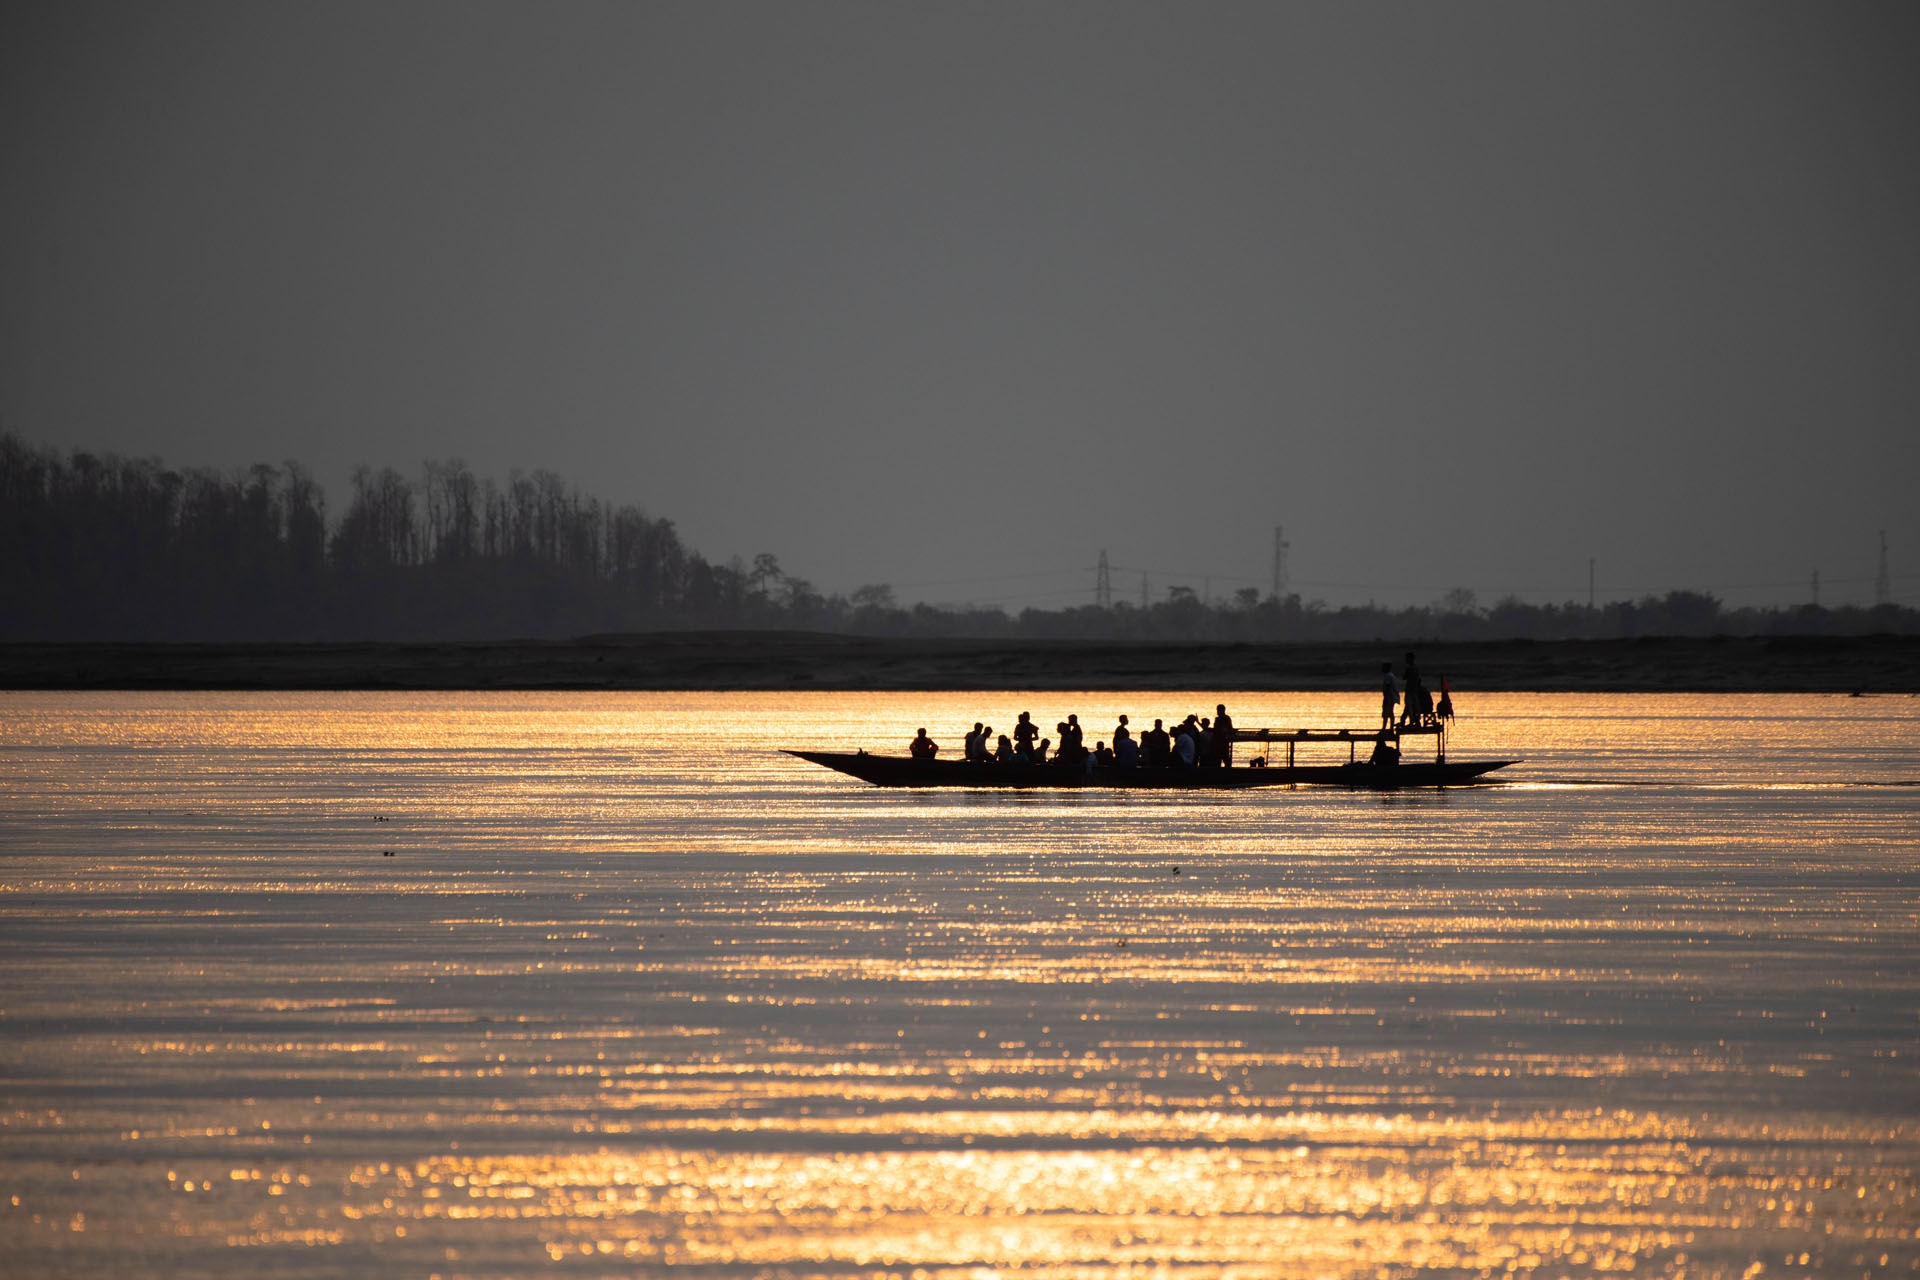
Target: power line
[[1027, 595], [1182, 573], [1001, 577]]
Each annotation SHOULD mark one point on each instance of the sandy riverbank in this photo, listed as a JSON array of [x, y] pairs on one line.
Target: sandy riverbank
[[759, 660]]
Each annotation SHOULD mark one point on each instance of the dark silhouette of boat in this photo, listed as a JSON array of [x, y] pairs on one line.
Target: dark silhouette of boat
[[1372, 773]]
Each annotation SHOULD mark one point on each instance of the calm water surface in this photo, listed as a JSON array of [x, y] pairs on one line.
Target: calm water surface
[[413, 984]]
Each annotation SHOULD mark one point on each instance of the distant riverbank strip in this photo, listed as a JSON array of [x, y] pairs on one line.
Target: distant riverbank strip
[[748, 660]]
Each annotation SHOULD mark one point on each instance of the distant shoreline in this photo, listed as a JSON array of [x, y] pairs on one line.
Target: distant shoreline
[[736, 660]]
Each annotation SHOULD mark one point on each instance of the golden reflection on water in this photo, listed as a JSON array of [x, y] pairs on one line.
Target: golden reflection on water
[[484, 984], [1593, 1192]]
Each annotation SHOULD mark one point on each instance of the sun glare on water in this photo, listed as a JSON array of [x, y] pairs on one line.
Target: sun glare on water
[[490, 984]]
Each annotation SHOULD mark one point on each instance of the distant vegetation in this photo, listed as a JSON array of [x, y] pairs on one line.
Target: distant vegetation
[[97, 547]]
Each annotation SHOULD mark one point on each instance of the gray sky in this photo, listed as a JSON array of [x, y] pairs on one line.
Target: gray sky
[[959, 295]]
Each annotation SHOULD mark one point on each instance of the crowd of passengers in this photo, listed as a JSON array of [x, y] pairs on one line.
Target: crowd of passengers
[[1197, 742]]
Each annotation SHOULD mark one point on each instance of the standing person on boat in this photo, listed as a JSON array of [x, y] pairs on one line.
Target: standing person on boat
[[922, 747], [1073, 748], [1024, 732], [1416, 707], [1155, 747], [1389, 695], [1203, 745], [1222, 737], [1121, 734], [976, 746]]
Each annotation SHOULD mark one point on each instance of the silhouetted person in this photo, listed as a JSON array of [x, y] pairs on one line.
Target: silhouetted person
[[1155, 747], [1414, 707], [1389, 696], [1024, 732], [1445, 710], [1222, 737], [1004, 752], [976, 747], [922, 747], [1185, 748], [1203, 744], [1072, 744]]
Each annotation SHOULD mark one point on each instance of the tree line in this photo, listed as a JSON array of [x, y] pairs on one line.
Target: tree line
[[105, 548]]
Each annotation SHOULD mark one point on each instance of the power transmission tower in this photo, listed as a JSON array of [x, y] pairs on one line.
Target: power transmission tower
[[1279, 562], [1103, 583], [1883, 581]]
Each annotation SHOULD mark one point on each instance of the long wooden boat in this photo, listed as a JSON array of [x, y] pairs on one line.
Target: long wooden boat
[[901, 771]]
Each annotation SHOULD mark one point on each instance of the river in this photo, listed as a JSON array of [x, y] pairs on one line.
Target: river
[[493, 984]]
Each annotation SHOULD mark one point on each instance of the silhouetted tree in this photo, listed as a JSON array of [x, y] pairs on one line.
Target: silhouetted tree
[[103, 548]]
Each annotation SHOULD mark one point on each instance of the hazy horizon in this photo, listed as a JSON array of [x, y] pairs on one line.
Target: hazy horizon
[[954, 299]]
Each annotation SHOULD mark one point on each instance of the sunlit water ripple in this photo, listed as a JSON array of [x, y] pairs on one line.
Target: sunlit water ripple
[[636, 994]]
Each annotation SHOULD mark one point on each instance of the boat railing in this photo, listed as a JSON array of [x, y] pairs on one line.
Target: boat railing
[[1352, 737]]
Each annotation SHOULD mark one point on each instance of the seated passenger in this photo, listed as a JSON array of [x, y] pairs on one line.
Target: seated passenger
[[1185, 750], [1126, 752], [1004, 752], [976, 747], [1102, 756], [1040, 750], [1385, 754], [922, 747]]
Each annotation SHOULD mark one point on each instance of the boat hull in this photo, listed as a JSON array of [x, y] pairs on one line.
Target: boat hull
[[898, 771]]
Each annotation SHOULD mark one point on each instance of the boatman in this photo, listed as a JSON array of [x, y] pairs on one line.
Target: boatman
[[1389, 695], [922, 747]]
